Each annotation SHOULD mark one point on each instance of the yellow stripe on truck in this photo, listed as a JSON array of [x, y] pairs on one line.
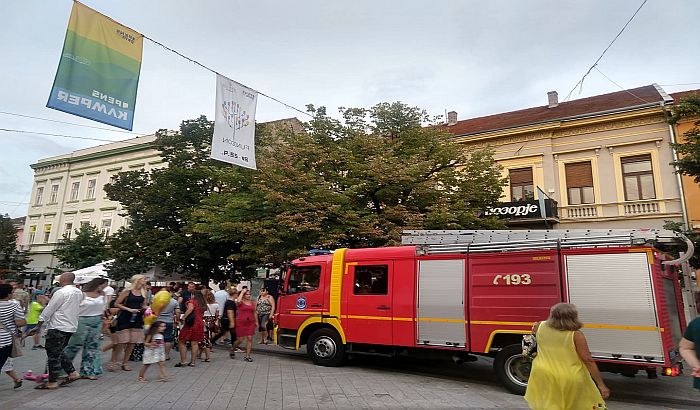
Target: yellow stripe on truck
[[337, 281]]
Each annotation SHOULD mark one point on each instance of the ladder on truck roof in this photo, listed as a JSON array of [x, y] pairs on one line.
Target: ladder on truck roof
[[431, 242]]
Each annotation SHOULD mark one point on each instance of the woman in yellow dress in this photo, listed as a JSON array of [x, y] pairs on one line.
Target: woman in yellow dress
[[564, 375]]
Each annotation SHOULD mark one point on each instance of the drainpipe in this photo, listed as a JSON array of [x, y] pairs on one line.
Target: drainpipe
[[672, 131]]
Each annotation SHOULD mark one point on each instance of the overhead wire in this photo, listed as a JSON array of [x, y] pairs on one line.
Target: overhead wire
[[71, 136], [580, 82], [621, 87], [69, 123]]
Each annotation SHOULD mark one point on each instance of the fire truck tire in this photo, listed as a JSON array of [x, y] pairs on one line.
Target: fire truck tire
[[326, 348], [512, 368]]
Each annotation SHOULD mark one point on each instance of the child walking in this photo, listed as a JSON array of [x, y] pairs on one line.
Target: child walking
[[154, 351]]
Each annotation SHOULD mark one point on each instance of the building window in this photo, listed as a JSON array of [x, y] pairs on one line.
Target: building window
[[522, 186], [91, 189], [84, 224], [638, 177], [74, 190], [68, 230], [32, 234], [371, 280], [579, 183], [39, 195], [47, 232], [106, 227], [54, 194]]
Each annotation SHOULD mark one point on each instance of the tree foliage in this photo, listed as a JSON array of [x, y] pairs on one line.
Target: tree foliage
[[87, 248], [688, 162], [355, 182], [12, 261], [159, 204]]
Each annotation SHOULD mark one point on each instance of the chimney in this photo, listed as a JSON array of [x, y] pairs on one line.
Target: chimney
[[452, 118], [553, 98]]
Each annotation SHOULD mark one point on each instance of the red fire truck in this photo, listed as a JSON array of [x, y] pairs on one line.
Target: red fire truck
[[468, 293]]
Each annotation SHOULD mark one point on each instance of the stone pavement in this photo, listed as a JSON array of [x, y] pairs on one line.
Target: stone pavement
[[274, 380]]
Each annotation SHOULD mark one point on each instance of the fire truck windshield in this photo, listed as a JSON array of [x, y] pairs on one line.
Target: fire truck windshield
[[303, 279]]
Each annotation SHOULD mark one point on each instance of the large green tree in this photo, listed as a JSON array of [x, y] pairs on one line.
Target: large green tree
[[688, 163], [12, 261], [159, 204], [87, 248], [355, 182]]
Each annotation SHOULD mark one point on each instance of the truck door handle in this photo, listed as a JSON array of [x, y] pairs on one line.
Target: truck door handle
[[315, 305], [383, 307]]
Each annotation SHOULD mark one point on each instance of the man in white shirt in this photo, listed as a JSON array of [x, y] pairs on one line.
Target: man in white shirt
[[61, 318], [109, 294], [221, 295]]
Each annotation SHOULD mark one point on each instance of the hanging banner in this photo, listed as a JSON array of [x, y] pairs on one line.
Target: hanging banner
[[234, 123], [98, 73]]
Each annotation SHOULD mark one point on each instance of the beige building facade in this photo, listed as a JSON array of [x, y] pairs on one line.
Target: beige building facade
[[605, 160], [68, 192]]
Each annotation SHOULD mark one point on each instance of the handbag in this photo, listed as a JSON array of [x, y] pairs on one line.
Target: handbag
[[529, 343], [189, 320], [16, 342]]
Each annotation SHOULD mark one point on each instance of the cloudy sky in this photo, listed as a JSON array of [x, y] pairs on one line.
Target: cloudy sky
[[474, 57]]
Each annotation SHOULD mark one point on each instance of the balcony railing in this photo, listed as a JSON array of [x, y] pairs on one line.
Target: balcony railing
[[642, 208], [581, 211], [616, 209]]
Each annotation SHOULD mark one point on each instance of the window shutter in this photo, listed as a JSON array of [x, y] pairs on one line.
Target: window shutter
[[520, 176], [579, 175]]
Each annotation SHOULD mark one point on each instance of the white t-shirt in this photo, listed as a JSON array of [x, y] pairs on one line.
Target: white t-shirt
[[213, 310], [92, 306], [109, 294], [221, 296]]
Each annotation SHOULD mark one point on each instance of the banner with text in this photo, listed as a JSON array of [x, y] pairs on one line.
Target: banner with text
[[98, 73], [234, 123]]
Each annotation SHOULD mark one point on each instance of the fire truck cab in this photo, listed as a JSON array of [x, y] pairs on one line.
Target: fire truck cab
[[467, 293]]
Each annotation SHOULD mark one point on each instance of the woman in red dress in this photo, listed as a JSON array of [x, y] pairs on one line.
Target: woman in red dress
[[246, 321], [193, 332]]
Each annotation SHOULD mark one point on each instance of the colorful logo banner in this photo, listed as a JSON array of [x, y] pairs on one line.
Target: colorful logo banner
[[234, 124], [98, 73]]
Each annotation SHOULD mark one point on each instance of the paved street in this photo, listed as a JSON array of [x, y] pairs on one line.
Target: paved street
[[278, 379]]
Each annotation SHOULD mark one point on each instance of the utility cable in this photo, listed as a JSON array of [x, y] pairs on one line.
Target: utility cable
[[70, 136], [198, 63], [217, 73], [69, 123], [580, 82], [621, 87]]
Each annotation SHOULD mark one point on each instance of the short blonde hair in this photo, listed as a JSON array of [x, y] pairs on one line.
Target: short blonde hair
[[564, 316]]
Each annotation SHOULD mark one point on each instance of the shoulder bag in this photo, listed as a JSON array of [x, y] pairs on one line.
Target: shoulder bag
[[16, 343], [529, 342]]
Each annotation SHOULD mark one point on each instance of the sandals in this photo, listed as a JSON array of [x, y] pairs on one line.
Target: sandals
[[142, 380], [45, 386], [232, 355], [67, 381], [126, 369], [206, 360], [88, 377], [248, 359], [190, 364], [18, 383], [179, 364]]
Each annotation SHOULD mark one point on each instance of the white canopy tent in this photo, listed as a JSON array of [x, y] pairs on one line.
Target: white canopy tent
[[91, 272]]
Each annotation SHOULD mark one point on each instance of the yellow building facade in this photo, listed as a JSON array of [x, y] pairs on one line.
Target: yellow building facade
[[605, 160]]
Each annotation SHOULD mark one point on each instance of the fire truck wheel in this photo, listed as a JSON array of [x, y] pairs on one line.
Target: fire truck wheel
[[325, 348], [512, 368]]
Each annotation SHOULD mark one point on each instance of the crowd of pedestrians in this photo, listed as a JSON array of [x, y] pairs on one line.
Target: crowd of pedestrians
[[88, 320]]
